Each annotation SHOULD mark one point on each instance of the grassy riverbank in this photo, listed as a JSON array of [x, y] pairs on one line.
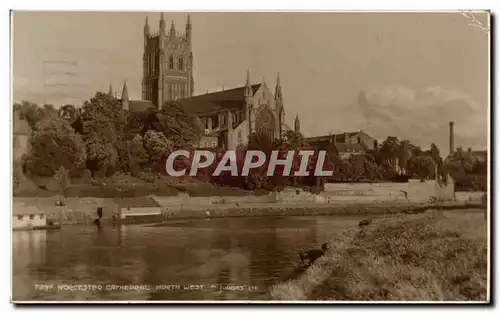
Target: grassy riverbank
[[436, 256]]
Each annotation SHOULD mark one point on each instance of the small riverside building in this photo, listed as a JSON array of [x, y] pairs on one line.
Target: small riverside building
[[28, 217], [142, 209]]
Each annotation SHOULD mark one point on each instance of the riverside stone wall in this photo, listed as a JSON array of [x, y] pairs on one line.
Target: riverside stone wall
[[335, 195]]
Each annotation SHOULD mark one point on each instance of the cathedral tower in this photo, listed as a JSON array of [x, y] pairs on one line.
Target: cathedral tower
[[167, 64]]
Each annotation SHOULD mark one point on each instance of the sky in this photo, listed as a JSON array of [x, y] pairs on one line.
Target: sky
[[389, 74]]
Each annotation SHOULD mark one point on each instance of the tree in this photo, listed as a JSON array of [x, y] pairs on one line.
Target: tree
[[422, 166], [136, 124], [108, 109], [102, 155], [62, 178], [356, 165], [389, 149], [433, 152], [182, 128], [373, 171], [16, 175], [103, 124], [138, 155], [33, 113], [261, 142], [156, 145], [54, 144], [294, 139], [404, 153]]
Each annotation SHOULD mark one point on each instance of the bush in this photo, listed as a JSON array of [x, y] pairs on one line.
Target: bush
[[317, 189], [113, 191], [471, 182], [147, 177]]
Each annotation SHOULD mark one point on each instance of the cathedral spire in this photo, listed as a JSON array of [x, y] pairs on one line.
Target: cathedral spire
[[248, 86], [125, 91], [296, 124], [110, 91], [277, 92], [125, 100]]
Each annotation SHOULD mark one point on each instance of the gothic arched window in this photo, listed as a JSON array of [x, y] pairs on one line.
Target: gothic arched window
[[265, 122], [171, 63], [181, 64]]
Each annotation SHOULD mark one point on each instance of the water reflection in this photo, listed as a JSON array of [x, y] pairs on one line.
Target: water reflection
[[247, 253], [29, 251]]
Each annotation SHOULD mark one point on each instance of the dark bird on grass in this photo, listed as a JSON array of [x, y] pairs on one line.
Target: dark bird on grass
[[309, 256], [364, 223]]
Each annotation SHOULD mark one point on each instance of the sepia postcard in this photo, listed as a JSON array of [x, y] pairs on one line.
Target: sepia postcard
[[250, 157]]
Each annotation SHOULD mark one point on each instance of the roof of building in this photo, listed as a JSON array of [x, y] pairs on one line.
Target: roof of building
[[140, 105], [350, 147], [19, 125], [338, 137], [479, 153], [217, 101], [318, 138], [325, 145], [341, 137], [25, 209], [338, 146], [138, 202]]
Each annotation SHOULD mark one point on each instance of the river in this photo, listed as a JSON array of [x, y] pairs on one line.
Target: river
[[216, 259]]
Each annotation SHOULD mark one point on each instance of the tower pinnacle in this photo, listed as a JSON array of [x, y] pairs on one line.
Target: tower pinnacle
[[277, 92], [162, 23], [125, 91], [110, 91], [172, 29], [297, 124], [146, 31], [188, 23], [248, 86]]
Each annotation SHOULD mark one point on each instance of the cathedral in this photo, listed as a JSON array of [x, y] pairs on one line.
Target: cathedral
[[229, 116]]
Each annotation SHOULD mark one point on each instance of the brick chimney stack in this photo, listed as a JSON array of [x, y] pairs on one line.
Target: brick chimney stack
[[452, 146]]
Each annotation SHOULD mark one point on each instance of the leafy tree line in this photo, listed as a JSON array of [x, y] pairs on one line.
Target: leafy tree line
[[105, 140]]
